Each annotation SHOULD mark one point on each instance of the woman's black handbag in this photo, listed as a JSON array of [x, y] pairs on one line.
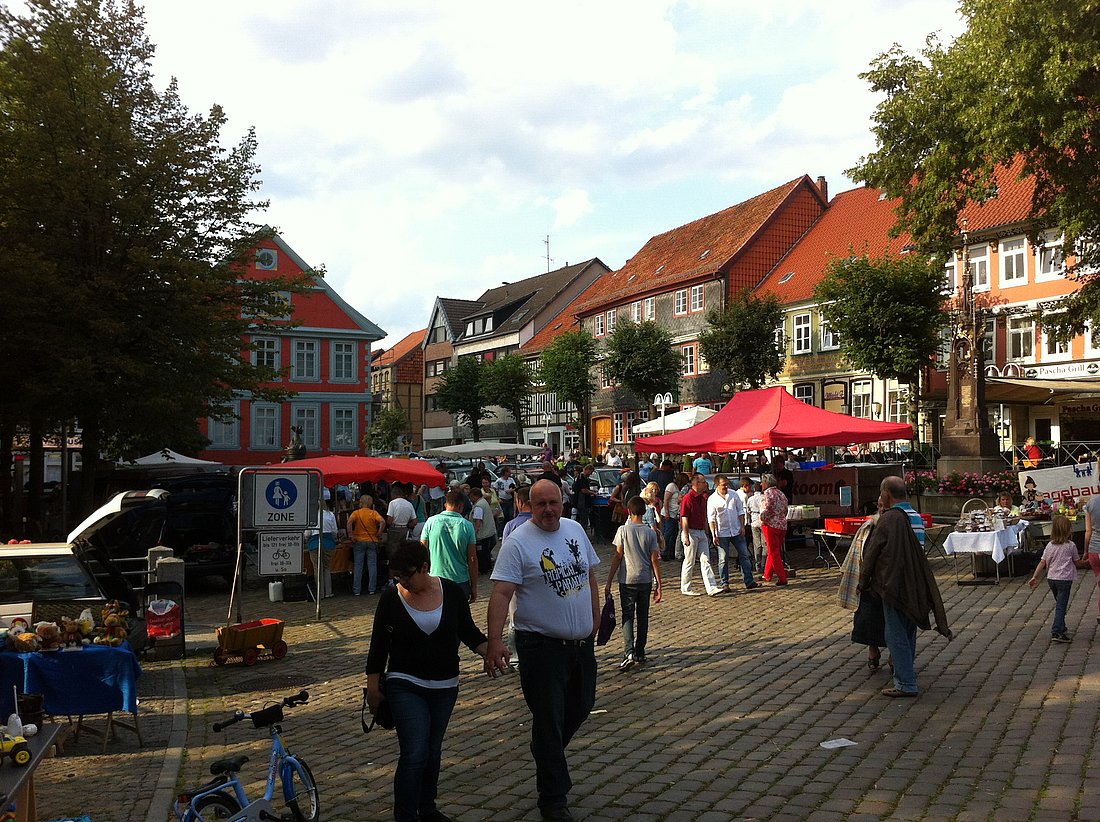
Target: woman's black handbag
[[383, 717]]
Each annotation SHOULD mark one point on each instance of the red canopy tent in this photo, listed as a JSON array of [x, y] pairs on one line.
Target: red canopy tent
[[340, 470], [772, 418]]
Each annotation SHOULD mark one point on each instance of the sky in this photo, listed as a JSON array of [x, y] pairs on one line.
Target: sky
[[424, 149]]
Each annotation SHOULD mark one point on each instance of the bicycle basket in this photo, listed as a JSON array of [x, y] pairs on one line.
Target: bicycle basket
[[268, 716]]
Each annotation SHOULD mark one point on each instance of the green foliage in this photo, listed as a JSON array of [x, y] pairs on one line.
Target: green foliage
[[888, 312], [507, 382], [740, 339], [123, 217], [461, 391], [1023, 82], [640, 357], [386, 428], [566, 370]]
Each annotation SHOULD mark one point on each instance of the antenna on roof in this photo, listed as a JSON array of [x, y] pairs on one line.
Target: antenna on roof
[[548, 258]]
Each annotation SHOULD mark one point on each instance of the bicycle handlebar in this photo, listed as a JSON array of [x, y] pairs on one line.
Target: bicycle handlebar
[[300, 698]]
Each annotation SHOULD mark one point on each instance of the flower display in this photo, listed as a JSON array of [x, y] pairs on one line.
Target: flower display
[[971, 484]]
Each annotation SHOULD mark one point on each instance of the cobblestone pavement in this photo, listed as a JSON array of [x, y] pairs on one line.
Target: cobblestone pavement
[[725, 723]]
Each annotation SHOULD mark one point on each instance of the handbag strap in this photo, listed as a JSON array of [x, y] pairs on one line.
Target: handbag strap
[[363, 715]]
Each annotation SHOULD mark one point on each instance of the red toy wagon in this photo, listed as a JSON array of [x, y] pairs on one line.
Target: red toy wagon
[[250, 641]]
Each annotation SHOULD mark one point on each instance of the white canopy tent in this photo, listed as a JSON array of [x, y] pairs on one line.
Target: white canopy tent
[[167, 456], [671, 423]]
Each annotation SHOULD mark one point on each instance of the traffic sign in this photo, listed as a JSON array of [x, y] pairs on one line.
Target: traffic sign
[[279, 553], [280, 499]]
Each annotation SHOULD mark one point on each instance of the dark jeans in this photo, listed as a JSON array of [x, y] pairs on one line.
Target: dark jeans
[[670, 527], [485, 554], [508, 506], [743, 558], [420, 716], [581, 516], [1060, 589], [559, 686], [631, 598]]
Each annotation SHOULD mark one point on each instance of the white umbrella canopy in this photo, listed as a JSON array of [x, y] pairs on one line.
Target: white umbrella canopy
[[167, 456], [482, 448], [675, 422]]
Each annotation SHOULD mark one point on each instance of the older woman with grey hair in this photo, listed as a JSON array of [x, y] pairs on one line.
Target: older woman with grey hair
[[773, 519]]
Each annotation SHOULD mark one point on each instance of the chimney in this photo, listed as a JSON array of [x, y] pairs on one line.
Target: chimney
[[823, 187]]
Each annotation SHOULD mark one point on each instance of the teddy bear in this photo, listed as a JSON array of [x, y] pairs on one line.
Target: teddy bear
[[49, 636], [23, 642], [113, 632], [70, 632]]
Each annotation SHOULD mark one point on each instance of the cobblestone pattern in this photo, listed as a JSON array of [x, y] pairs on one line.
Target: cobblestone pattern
[[725, 722]]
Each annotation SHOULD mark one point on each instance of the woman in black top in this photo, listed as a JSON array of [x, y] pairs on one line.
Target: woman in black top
[[417, 628]]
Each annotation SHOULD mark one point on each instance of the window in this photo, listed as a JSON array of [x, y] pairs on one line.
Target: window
[[1013, 262], [1092, 339], [1021, 338], [438, 331], [479, 325], [305, 360], [704, 366], [343, 428], [598, 323], [780, 340], [989, 340], [861, 399], [687, 360], [343, 362], [430, 403], [266, 353], [979, 267], [802, 334], [650, 308], [830, 339], [611, 320], [950, 275], [605, 381], [305, 416], [436, 368], [265, 426], [804, 392], [681, 302], [897, 405], [617, 428], [1052, 349], [636, 311], [697, 298], [225, 433], [1051, 263]]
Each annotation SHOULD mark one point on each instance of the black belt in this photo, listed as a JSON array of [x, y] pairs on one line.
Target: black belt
[[569, 643]]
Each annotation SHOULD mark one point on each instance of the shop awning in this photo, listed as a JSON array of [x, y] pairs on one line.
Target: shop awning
[[1030, 391]]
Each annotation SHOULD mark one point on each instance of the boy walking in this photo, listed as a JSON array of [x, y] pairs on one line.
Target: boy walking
[[637, 566]]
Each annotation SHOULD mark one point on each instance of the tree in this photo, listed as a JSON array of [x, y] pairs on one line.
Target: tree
[[124, 220], [508, 383], [566, 369], [889, 314], [740, 339], [1020, 86], [386, 429], [640, 357], [461, 391]]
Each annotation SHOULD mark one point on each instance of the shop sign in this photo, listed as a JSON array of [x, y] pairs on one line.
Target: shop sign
[[1062, 483], [1063, 370]]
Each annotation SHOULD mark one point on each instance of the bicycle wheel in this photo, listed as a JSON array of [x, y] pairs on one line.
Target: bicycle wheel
[[301, 791], [213, 807]]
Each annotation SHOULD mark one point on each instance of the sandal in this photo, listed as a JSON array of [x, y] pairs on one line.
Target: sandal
[[874, 660]]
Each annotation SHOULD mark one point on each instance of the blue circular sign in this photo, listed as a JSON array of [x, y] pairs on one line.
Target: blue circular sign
[[281, 494]]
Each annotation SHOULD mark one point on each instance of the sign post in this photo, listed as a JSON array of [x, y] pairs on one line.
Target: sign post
[[279, 503]]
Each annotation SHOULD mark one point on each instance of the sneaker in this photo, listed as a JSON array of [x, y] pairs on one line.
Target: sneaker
[[627, 663], [1063, 637], [718, 593], [752, 585], [691, 593]]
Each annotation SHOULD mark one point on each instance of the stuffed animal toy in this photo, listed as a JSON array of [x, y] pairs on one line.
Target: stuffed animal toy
[[87, 625], [49, 636], [70, 632], [24, 642], [113, 632]]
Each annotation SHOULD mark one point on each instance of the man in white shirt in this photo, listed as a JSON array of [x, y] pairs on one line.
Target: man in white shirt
[[753, 506], [505, 487], [726, 521], [485, 529], [400, 515]]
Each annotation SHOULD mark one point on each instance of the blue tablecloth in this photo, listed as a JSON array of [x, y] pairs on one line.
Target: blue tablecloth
[[95, 680]]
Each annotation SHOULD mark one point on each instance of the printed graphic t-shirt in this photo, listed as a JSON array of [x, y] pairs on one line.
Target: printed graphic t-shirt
[[551, 569]]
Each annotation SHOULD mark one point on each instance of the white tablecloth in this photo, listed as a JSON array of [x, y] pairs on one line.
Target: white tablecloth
[[997, 543]]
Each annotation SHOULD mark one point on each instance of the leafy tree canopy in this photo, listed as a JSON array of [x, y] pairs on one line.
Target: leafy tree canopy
[[386, 428], [461, 391], [508, 383], [566, 370], [889, 313], [640, 357], [740, 339], [1021, 85]]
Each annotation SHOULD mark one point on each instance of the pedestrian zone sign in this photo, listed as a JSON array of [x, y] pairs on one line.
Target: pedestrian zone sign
[[280, 500]]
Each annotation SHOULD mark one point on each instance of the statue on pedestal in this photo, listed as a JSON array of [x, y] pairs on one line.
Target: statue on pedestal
[[295, 449]]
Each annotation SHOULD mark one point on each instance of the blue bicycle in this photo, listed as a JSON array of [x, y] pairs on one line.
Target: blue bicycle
[[224, 799]]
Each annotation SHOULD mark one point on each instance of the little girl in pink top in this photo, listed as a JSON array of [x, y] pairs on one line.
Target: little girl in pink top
[[1060, 560]]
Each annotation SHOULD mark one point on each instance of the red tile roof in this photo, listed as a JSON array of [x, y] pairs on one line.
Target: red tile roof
[[697, 249], [859, 222], [400, 349]]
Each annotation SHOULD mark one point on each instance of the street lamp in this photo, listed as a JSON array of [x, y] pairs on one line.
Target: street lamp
[[662, 401]]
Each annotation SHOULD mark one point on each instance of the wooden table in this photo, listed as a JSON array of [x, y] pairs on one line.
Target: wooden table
[[17, 783]]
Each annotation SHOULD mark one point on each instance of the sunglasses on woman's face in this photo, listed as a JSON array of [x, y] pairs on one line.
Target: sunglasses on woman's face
[[407, 575]]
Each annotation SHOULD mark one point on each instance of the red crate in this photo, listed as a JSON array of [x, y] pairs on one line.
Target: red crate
[[927, 520], [844, 525]]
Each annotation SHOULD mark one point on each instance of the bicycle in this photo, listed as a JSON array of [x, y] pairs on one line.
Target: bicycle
[[223, 798]]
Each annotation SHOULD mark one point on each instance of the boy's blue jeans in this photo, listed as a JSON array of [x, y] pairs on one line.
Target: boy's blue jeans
[[635, 598], [1060, 588]]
